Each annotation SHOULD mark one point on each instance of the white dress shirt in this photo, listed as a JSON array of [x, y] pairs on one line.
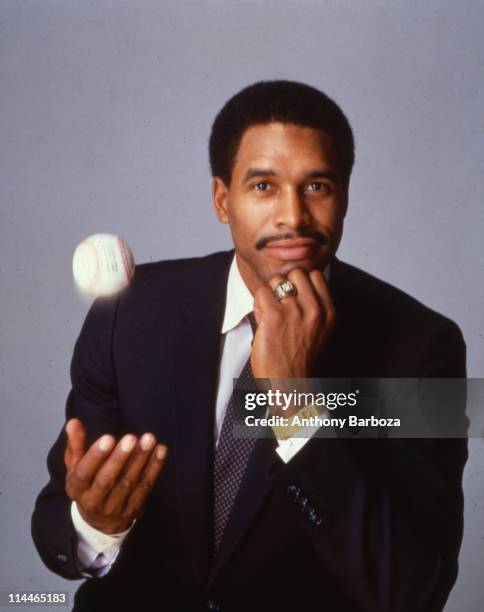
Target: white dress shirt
[[97, 551]]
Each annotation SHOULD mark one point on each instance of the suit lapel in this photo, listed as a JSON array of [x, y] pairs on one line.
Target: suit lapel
[[196, 357]]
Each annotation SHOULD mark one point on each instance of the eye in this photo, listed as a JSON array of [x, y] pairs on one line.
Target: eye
[[318, 186], [261, 186]]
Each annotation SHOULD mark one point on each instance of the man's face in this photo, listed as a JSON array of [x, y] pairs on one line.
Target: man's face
[[286, 201]]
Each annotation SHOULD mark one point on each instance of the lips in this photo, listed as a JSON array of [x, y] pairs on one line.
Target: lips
[[292, 249]]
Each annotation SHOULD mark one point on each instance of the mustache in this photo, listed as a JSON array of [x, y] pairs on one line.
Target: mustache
[[318, 236]]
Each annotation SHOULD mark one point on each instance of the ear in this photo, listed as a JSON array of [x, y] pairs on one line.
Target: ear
[[220, 195]]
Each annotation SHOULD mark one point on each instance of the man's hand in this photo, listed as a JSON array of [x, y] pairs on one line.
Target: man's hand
[[290, 333], [111, 482]]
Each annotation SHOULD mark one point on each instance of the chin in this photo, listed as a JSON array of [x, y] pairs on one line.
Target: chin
[[303, 264]]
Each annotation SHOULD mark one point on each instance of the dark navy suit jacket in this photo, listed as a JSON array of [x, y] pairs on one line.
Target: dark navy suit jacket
[[348, 525]]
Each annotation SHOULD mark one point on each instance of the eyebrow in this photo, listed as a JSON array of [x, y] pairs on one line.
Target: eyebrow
[[326, 174], [252, 172]]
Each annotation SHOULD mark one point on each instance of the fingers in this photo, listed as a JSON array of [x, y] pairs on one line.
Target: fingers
[[307, 296], [80, 476], [106, 477], [313, 300], [137, 500], [322, 290], [306, 300], [266, 305], [76, 442], [273, 282], [129, 477]]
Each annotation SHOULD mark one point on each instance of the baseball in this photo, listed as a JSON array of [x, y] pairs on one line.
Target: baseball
[[102, 265]]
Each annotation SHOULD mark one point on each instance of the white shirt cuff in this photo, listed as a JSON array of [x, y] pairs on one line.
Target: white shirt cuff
[[289, 447], [96, 551]]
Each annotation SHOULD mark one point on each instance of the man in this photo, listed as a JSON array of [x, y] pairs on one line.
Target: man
[[152, 498]]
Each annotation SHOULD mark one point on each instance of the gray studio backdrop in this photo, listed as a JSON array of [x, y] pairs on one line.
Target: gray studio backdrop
[[105, 110]]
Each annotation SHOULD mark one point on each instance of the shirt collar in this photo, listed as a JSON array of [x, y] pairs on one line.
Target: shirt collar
[[240, 301]]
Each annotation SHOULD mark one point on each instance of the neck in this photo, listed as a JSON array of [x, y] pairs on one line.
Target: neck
[[252, 281]]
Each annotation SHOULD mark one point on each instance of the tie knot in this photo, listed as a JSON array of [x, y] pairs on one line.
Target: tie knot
[[252, 321]]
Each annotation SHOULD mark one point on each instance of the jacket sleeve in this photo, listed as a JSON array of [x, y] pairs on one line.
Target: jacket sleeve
[[93, 400], [386, 515]]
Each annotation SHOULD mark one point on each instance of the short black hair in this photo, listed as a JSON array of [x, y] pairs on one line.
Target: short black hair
[[283, 102]]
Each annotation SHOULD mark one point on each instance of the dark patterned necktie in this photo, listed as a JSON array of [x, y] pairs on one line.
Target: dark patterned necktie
[[231, 456]]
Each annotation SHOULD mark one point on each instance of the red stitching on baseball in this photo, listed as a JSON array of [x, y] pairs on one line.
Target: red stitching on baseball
[[125, 260]]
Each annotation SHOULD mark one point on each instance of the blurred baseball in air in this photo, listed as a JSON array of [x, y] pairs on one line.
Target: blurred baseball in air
[[102, 265]]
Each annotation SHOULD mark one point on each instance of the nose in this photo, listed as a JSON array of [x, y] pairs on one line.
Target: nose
[[291, 211]]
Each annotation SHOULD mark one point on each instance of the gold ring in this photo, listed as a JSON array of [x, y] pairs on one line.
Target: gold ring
[[284, 290]]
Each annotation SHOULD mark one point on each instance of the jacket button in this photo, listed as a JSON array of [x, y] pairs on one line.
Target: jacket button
[[311, 512], [314, 518], [293, 492], [62, 558], [302, 503]]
